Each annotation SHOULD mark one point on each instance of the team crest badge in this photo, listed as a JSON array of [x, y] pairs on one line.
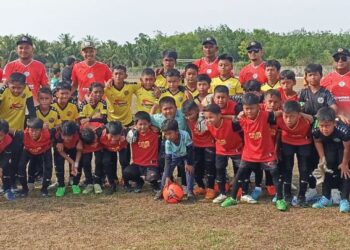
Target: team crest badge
[[255, 76], [69, 113], [26, 73], [51, 120], [126, 92], [336, 140], [209, 71], [180, 99], [90, 75], [320, 100], [340, 50], [341, 84]]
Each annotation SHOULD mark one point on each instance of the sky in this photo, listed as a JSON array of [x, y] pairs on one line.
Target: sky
[[123, 20]]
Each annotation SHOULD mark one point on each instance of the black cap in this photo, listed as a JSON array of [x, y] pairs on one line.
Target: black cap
[[210, 40], [254, 45], [25, 39], [341, 51], [170, 54]]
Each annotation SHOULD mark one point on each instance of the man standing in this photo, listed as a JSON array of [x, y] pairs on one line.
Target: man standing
[[34, 70], [209, 63], [67, 70], [256, 69], [88, 71], [338, 81]]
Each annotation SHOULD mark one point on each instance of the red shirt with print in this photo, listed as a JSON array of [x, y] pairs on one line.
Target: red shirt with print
[[300, 134], [227, 141], [85, 75], [200, 139], [112, 147], [258, 144], [249, 72], [39, 146], [210, 69], [145, 149]]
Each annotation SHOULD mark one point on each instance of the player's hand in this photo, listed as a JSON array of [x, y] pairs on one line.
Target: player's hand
[[46, 125], [344, 119], [74, 171], [0, 172], [344, 170], [240, 115], [59, 147], [189, 169], [159, 71], [188, 95], [156, 92], [83, 121], [109, 83], [167, 182]]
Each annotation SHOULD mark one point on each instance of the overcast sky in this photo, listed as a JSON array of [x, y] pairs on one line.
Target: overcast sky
[[123, 20]]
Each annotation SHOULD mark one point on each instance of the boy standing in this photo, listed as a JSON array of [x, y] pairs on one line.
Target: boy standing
[[257, 138], [332, 141], [272, 71], [225, 76]]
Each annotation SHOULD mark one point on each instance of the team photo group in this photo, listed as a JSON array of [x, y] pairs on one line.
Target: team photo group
[[202, 132]]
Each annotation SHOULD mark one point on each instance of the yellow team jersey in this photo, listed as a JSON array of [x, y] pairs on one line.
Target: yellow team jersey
[[161, 82], [87, 111], [13, 108], [119, 102], [68, 113], [231, 83], [265, 87], [193, 93], [179, 97], [52, 117], [145, 99]]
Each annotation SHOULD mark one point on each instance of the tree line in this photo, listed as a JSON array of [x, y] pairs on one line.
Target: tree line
[[299, 47]]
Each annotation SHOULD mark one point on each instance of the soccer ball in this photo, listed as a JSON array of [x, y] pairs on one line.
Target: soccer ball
[[173, 193]]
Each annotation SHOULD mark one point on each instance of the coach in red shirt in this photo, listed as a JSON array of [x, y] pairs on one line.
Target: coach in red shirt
[[338, 81], [256, 69], [88, 71], [34, 70], [209, 63]]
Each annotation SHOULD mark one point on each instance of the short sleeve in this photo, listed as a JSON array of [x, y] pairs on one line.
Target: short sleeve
[[168, 147]]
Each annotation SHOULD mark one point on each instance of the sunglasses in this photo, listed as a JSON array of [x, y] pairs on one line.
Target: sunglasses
[[253, 50], [343, 58]]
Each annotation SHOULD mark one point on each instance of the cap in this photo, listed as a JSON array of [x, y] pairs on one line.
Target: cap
[[87, 44], [25, 39], [254, 45], [341, 51], [210, 40], [170, 54]]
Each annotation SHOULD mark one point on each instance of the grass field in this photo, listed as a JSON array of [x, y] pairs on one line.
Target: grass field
[[135, 221]]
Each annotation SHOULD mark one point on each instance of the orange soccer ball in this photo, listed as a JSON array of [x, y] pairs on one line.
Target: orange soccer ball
[[173, 193]]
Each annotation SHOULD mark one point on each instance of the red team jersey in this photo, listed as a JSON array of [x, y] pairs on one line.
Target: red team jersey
[[273, 127], [112, 147], [41, 145], [230, 108], [96, 145], [145, 150], [1, 72], [285, 98], [250, 72], [299, 135], [35, 73], [227, 141], [339, 86], [204, 67], [67, 145], [84, 75], [200, 139], [258, 144], [5, 143]]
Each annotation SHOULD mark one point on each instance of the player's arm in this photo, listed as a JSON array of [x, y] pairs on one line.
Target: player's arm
[[30, 107], [319, 147], [307, 117], [344, 165]]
